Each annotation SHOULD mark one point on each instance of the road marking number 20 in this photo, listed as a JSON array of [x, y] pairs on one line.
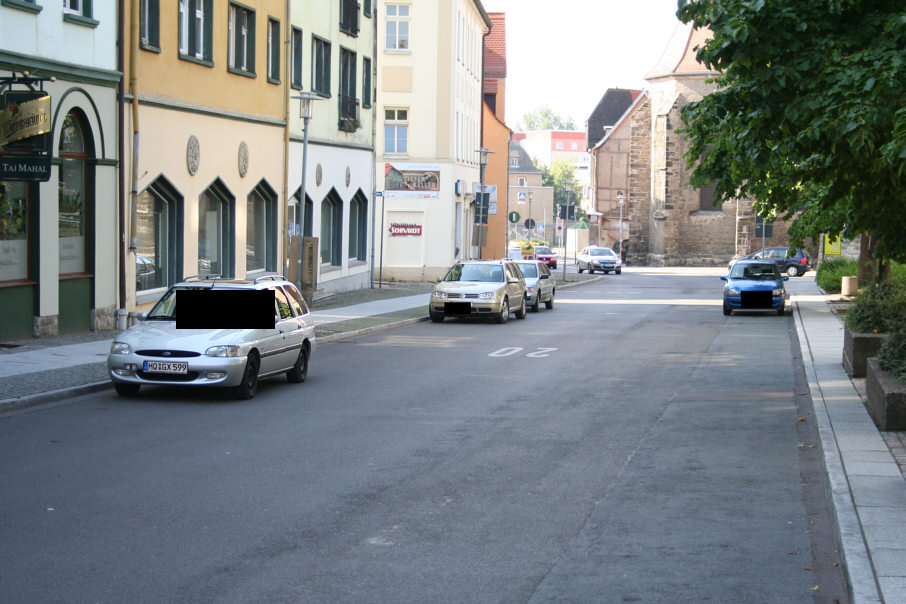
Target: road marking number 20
[[539, 353]]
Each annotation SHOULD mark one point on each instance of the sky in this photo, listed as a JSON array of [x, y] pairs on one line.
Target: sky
[[553, 48]]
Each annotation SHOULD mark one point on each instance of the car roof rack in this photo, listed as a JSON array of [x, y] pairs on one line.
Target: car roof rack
[[271, 277]]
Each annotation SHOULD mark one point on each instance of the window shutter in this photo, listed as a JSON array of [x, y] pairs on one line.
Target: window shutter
[[208, 27], [250, 66]]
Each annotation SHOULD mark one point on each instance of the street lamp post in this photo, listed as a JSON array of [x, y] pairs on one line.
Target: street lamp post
[[621, 198], [531, 198], [305, 101], [483, 162]]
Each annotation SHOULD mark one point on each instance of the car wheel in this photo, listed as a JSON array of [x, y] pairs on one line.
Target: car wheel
[[578, 268], [792, 271], [781, 311], [123, 389], [520, 314], [727, 310], [504, 312], [249, 384], [537, 304], [299, 372], [618, 271], [550, 303], [436, 316], [591, 271]]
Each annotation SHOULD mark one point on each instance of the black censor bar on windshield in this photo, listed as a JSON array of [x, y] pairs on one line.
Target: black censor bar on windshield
[[225, 309]]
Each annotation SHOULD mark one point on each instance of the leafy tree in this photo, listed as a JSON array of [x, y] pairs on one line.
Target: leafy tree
[[545, 119], [809, 117], [561, 175]]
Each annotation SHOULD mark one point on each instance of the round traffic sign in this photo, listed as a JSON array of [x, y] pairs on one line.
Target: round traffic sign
[[529, 223], [513, 217]]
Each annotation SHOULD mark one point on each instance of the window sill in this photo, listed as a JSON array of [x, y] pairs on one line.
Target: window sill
[[149, 47], [28, 7], [271, 80], [18, 283], [242, 72], [80, 20], [397, 51], [330, 268], [192, 59]]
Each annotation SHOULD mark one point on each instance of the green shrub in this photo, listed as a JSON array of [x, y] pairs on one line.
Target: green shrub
[[878, 308], [832, 270], [892, 356]]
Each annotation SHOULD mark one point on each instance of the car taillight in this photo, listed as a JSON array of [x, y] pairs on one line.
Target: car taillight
[[804, 260]]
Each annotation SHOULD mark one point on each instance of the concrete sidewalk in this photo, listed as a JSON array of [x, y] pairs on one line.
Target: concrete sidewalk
[[866, 487]]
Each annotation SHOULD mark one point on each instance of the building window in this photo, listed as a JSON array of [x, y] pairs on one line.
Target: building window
[[366, 8], [74, 195], [366, 82], [273, 51], [158, 222], [558, 145], [15, 220], [396, 130], [514, 160], [397, 23], [320, 66], [242, 40], [349, 16], [261, 229], [706, 198], [332, 230], [79, 13], [149, 24], [349, 104], [520, 182], [195, 17], [574, 146], [295, 78], [215, 232], [763, 230], [358, 227]]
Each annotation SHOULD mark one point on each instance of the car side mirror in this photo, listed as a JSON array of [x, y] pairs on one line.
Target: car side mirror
[[786, 278], [141, 316], [723, 277], [545, 276], [439, 279]]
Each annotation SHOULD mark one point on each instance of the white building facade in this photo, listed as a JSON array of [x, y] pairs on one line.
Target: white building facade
[[331, 53], [430, 110], [58, 272]]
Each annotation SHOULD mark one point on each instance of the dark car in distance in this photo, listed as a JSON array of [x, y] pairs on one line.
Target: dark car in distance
[[794, 263]]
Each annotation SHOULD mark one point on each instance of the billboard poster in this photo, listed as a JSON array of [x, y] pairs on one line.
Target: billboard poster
[[404, 180]]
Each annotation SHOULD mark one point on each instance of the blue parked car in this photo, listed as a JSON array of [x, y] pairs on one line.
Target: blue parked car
[[754, 285]]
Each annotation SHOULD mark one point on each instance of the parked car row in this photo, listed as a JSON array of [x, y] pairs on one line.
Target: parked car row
[[493, 289]]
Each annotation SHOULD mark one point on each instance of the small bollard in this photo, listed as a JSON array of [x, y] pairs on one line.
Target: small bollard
[[849, 286]]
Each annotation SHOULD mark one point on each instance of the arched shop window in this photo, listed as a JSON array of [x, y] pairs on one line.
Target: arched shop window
[[14, 231], [358, 227], [261, 229], [332, 229], [75, 194], [158, 247], [216, 231]]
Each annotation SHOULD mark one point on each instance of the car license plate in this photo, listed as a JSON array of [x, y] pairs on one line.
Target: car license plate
[[166, 367]]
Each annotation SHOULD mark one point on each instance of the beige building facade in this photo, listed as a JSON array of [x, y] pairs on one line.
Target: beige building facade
[[430, 107]]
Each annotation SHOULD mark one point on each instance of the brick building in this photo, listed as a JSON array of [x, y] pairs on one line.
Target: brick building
[[665, 221]]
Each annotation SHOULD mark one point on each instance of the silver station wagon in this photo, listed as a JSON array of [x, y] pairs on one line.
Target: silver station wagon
[[227, 333]]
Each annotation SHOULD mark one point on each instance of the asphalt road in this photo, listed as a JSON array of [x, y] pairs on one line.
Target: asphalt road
[[631, 445]]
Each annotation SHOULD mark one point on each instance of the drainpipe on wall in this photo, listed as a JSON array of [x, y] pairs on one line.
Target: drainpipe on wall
[[374, 114], [284, 260], [121, 147], [133, 90]]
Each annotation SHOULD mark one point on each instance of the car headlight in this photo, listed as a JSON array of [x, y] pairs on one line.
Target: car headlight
[[732, 291], [486, 296], [777, 292], [439, 295], [120, 348], [222, 351]]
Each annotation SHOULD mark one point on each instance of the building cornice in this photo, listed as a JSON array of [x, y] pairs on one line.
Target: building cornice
[[64, 71]]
